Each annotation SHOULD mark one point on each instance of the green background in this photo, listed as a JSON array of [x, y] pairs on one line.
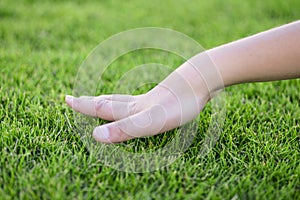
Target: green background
[[42, 45]]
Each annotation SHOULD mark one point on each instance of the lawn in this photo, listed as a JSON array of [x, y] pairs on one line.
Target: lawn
[[42, 46]]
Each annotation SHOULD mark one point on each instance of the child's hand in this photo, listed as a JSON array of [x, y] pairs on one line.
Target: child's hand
[[173, 102]]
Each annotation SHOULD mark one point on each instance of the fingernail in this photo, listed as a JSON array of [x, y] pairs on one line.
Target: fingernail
[[101, 133], [69, 99]]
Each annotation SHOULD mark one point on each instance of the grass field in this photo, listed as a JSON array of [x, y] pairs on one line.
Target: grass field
[[42, 45]]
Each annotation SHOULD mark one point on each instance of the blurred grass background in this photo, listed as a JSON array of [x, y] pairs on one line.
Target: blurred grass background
[[42, 45]]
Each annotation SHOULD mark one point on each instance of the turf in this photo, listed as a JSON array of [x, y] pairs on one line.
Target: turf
[[42, 45]]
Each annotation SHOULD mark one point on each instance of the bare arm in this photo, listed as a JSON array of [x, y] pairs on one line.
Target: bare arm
[[267, 56]]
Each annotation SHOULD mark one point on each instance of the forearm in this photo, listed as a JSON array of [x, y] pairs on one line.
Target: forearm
[[267, 56]]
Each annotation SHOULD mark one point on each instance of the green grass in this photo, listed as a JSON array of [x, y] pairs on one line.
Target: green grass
[[42, 45]]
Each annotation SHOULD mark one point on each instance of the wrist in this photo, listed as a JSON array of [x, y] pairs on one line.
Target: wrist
[[208, 73]]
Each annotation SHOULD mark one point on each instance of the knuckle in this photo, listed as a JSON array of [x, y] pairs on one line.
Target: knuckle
[[99, 104]]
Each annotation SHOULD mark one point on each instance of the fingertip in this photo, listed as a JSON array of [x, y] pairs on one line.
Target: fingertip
[[101, 134], [69, 100]]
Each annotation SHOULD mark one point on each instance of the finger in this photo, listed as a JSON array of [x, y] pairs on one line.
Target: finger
[[148, 122], [119, 97], [84, 104], [102, 107], [114, 110]]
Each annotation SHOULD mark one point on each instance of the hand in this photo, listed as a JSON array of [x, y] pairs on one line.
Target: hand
[[173, 102]]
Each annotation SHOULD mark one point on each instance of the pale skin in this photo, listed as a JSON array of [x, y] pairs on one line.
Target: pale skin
[[180, 97]]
